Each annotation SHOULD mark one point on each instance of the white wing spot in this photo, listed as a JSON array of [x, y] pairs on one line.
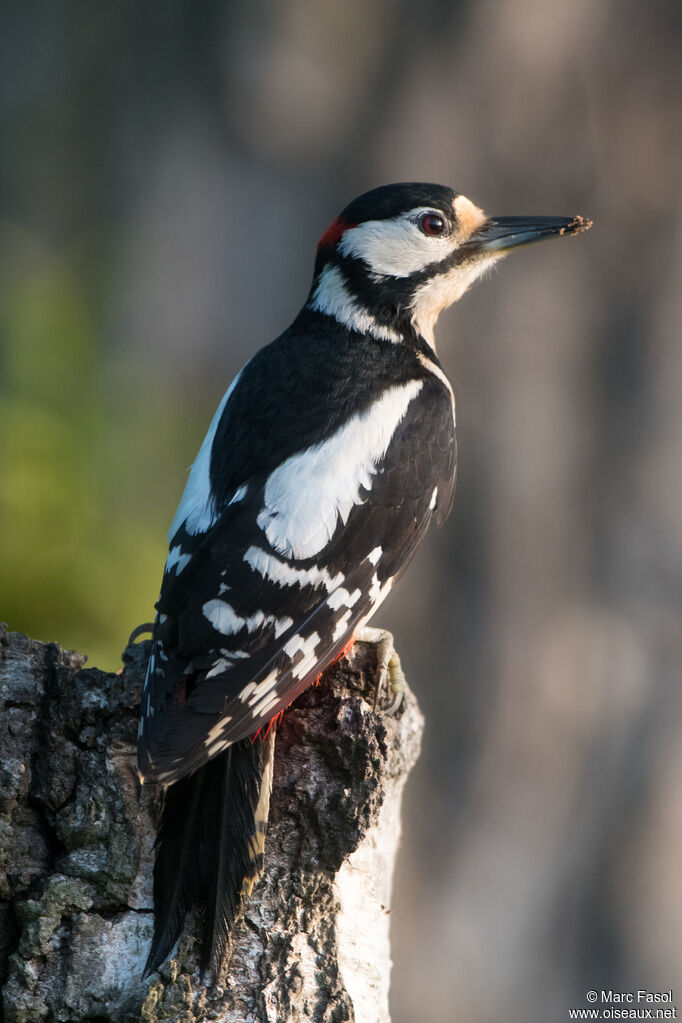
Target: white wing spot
[[177, 560], [225, 619], [341, 626], [374, 555], [286, 575], [217, 732], [342, 598], [263, 687]]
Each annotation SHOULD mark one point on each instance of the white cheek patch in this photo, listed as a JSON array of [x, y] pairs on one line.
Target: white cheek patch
[[225, 619], [197, 505], [307, 496], [331, 296], [396, 247]]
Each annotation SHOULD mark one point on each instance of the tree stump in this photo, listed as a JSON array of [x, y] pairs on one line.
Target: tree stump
[[76, 851]]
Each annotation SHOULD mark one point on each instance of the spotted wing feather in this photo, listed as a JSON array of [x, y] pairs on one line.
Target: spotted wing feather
[[217, 675]]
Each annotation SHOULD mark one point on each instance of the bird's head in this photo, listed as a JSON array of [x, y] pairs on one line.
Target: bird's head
[[400, 254]]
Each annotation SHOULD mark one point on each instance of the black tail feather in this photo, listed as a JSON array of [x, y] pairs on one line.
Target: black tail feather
[[209, 847]]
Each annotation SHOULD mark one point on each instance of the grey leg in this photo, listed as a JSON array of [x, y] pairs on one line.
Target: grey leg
[[388, 665]]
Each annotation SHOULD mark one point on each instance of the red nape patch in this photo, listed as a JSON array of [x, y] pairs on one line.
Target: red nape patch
[[333, 233]]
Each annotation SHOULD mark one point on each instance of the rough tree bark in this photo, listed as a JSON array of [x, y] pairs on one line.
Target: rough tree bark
[[76, 833]]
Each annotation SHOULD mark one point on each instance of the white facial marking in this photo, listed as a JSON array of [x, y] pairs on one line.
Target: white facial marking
[[469, 216], [286, 575], [197, 505], [441, 291], [396, 247], [331, 296], [307, 495], [177, 560], [225, 619]]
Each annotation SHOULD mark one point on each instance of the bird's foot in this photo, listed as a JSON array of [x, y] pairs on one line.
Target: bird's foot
[[388, 667]]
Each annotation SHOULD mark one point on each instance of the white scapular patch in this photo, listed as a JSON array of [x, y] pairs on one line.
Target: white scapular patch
[[286, 575], [374, 555], [342, 598], [197, 505], [177, 560], [225, 619], [396, 247], [434, 498], [307, 495], [331, 296]]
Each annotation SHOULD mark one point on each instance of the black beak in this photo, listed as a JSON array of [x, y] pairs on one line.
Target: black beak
[[501, 233]]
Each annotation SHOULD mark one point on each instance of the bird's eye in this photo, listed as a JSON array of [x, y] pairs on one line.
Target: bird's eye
[[432, 224]]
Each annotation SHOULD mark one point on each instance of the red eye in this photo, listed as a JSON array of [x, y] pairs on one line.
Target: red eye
[[432, 224]]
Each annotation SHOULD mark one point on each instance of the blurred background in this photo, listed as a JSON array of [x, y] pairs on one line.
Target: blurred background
[[165, 172]]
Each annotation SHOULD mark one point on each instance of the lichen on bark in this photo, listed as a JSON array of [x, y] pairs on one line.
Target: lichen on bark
[[76, 851]]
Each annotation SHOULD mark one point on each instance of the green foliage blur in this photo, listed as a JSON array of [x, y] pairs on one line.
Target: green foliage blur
[[82, 539]]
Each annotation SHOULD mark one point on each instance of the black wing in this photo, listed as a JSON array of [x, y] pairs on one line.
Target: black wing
[[244, 625]]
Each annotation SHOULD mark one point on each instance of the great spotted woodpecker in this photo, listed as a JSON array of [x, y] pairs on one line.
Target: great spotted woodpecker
[[328, 457]]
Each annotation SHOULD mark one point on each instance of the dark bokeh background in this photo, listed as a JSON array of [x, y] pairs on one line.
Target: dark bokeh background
[[165, 171]]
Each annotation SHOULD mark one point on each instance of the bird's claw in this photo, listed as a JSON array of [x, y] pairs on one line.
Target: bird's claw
[[388, 668]]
